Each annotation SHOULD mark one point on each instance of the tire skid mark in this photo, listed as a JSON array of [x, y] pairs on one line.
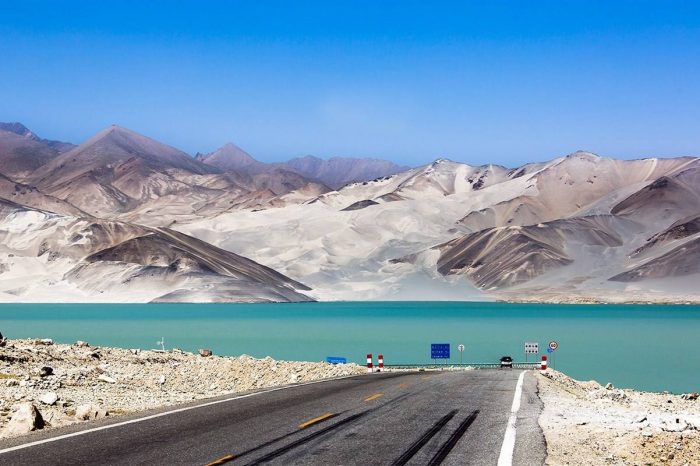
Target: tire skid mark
[[314, 435], [423, 439], [282, 450], [450, 443]]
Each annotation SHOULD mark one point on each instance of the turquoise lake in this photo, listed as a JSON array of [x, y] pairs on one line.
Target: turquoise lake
[[649, 347]]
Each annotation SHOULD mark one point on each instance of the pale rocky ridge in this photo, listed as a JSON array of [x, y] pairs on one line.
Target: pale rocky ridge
[[335, 172], [560, 238], [47, 257], [21, 130], [579, 228]]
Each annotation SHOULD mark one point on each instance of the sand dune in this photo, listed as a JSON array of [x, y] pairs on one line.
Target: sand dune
[[124, 217]]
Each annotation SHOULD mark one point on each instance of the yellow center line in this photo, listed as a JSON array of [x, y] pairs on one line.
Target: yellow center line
[[313, 421], [374, 397], [222, 460]]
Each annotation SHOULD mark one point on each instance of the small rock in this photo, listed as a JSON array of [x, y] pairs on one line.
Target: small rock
[[49, 398], [25, 419], [105, 378], [161, 380], [12, 383], [88, 412], [44, 341], [45, 371], [82, 344], [609, 386], [205, 352], [135, 351]]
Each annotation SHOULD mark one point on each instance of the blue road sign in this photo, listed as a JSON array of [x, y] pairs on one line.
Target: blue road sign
[[550, 350], [439, 351], [336, 360]]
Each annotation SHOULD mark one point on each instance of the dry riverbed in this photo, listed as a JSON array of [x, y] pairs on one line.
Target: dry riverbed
[[586, 423], [45, 385]]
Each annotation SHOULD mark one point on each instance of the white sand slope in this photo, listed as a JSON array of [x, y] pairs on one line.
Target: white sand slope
[[100, 222], [377, 239]]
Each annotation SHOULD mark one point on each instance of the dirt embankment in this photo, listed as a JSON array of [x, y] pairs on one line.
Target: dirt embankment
[[45, 385], [586, 423]]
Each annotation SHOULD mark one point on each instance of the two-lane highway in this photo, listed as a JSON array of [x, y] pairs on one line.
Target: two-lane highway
[[417, 418]]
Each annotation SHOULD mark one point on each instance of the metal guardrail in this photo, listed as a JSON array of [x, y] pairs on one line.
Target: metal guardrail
[[475, 365]]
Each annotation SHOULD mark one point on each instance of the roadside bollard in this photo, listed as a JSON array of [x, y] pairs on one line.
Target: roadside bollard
[[543, 367], [380, 363], [369, 362]]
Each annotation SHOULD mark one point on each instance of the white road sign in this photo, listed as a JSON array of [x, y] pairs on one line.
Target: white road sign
[[553, 345], [532, 347], [460, 348]]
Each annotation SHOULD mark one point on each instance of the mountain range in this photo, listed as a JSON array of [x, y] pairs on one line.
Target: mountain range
[[335, 172], [122, 217]]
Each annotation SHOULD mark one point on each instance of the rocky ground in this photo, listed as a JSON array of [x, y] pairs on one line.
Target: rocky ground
[[46, 385], [586, 423]]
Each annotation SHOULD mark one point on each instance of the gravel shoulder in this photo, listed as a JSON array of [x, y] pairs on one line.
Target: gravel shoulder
[[45, 385], [586, 423]]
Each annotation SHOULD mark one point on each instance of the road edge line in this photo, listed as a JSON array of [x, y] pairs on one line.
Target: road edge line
[[166, 413], [506, 456]]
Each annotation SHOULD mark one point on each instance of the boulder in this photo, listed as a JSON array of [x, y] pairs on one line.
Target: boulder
[[44, 341], [88, 412], [45, 371], [26, 418], [48, 398], [205, 352], [82, 344]]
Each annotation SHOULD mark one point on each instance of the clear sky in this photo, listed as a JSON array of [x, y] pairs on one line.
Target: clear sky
[[493, 81]]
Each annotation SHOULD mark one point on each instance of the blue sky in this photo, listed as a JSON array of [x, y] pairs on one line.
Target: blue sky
[[479, 82]]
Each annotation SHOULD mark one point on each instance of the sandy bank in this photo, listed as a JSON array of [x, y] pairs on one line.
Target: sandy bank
[[70, 383], [586, 423]]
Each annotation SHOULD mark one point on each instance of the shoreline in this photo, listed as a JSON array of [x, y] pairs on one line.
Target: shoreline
[[45, 385], [565, 301]]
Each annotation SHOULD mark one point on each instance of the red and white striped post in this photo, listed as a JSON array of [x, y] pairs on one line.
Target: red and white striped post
[[380, 362], [369, 362], [543, 367]]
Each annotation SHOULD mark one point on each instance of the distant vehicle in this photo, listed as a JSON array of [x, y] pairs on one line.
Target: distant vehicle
[[506, 361]]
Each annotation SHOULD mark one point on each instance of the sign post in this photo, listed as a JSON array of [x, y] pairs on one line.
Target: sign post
[[553, 345], [461, 352]]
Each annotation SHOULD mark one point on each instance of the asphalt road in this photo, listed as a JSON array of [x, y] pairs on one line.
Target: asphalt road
[[417, 418]]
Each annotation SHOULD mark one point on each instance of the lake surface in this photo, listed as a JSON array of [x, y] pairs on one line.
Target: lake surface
[[649, 347]]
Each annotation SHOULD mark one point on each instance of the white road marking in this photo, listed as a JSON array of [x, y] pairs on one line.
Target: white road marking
[[506, 456], [154, 416]]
